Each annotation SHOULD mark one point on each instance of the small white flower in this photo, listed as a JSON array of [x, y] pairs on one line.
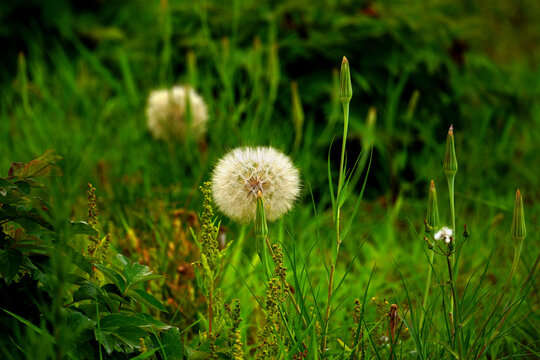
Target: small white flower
[[167, 113], [444, 234], [243, 172]]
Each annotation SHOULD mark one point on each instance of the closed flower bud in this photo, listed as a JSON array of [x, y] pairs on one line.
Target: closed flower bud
[[345, 87], [432, 216], [450, 164], [518, 222]]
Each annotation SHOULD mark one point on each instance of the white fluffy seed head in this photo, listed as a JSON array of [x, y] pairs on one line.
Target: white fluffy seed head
[[243, 172], [167, 113], [444, 234]]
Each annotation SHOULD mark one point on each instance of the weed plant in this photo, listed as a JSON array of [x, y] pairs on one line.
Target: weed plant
[[142, 264]]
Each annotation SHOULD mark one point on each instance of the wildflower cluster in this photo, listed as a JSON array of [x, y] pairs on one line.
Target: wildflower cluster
[[357, 332], [268, 334], [92, 218], [209, 231], [235, 338], [96, 244]]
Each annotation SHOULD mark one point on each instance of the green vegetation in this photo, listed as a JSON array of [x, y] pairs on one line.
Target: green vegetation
[[371, 263]]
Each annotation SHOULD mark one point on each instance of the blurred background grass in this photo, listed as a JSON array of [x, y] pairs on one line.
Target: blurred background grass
[[74, 76]]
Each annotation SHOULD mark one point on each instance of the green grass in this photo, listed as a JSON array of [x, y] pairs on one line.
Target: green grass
[[81, 90]]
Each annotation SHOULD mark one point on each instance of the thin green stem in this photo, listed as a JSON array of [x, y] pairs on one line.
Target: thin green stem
[[428, 285], [450, 179], [338, 202], [456, 319]]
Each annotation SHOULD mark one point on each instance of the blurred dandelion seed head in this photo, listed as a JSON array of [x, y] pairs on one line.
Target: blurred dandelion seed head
[[244, 172], [173, 113], [444, 234]]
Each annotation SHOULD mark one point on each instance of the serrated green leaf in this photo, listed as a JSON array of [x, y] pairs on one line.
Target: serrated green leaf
[[10, 261], [126, 263], [136, 272], [146, 298]]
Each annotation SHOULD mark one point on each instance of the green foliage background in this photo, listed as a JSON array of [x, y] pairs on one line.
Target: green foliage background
[[75, 78]]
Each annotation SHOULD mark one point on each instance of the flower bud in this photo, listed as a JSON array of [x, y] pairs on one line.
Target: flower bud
[[432, 216], [518, 222], [466, 232], [345, 87], [450, 161]]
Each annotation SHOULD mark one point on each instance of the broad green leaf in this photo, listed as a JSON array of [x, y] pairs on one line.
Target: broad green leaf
[[107, 340], [82, 227], [172, 344], [130, 335], [23, 187], [77, 323], [145, 355], [192, 354], [156, 323], [10, 261], [146, 298], [114, 276], [78, 259], [5, 183], [85, 292], [76, 279], [39, 167], [114, 321]]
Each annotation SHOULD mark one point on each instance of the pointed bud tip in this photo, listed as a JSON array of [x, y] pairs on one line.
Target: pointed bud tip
[[259, 194], [344, 61], [518, 194], [432, 185], [451, 129]]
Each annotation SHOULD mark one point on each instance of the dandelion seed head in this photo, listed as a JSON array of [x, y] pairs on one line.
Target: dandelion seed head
[[444, 234], [244, 172], [167, 113]]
